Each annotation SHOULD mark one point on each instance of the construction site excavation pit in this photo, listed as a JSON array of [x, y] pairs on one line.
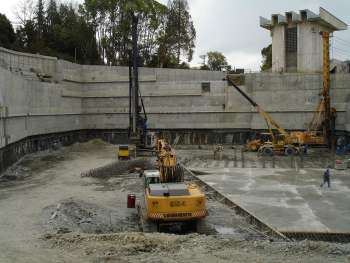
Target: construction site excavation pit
[[282, 191], [52, 210]]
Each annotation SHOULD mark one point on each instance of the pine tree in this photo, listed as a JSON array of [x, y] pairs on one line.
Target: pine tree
[[7, 35], [180, 31], [40, 18]]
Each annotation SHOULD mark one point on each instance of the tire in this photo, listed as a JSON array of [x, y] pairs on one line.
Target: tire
[[267, 151], [289, 151]]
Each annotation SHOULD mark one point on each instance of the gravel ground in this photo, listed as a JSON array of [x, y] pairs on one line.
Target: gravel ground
[[158, 247], [49, 213]]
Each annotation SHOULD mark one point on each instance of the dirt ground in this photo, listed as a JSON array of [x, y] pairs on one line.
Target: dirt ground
[[49, 213]]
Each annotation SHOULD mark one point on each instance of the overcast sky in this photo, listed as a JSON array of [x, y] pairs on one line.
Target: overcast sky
[[232, 26]]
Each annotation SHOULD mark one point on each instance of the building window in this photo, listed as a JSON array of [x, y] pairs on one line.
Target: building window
[[205, 87], [291, 38], [291, 48]]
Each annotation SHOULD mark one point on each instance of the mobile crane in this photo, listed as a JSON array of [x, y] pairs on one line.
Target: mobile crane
[[270, 143]]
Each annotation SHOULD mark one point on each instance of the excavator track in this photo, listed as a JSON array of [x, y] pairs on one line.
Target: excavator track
[[146, 225]]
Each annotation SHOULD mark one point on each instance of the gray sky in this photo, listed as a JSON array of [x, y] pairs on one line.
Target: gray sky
[[232, 26]]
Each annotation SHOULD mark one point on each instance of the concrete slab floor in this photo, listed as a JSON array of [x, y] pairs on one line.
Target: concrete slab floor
[[287, 199]]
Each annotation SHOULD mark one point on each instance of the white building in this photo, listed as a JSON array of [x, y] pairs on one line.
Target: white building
[[296, 39]]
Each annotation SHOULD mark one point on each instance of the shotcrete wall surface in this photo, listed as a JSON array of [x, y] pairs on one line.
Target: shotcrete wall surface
[[42, 95]]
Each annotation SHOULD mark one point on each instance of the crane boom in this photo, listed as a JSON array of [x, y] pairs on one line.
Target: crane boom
[[270, 122]]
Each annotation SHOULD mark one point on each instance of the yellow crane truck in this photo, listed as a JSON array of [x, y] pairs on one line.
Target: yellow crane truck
[[281, 142], [167, 199]]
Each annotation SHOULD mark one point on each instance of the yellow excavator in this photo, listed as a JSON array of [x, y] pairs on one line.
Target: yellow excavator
[[281, 142], [167, 199]]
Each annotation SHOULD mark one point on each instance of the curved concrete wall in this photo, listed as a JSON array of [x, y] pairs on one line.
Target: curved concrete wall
[[41, 95]]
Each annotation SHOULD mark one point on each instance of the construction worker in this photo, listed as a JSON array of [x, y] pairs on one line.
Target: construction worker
[[326, 178]]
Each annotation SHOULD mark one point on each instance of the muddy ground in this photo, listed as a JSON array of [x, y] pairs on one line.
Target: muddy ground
[[50, 213]]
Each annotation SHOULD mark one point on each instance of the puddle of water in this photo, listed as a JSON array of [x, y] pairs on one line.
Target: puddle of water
[[225, 230]]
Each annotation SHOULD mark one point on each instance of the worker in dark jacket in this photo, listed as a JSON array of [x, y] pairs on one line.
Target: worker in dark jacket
[[326, 178]]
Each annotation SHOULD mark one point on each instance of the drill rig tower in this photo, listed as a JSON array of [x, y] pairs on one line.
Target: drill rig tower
[[137, 120]]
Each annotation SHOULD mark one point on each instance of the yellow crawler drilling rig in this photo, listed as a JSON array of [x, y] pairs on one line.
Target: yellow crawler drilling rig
[[321, 128]]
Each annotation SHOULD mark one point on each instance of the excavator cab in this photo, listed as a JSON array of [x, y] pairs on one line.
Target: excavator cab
[[151, 177]]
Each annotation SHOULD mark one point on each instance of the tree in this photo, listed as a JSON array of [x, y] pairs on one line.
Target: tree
[[52, 19], [184, 65], [24, 11], [216, 60], [7, 34], [204, 67], [266, 53], [39, 12], [52, 15], [111, 21], [179, 36], [26, 37], [74, 37], [100, 31], [58, 31]]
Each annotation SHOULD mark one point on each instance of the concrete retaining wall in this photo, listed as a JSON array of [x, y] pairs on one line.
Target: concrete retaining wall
[[293, 97], [42, 95]]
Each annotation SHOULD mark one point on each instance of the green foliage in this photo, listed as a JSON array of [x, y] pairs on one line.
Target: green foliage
[[7, 34], [179, 35], [204, 67], [216, 60], [40, 20], [112, 20], [267, 58], [58, 31], [100, 31], [184, 65]]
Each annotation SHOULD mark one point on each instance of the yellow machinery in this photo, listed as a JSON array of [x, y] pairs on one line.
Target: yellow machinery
[[167, 198], [123, 152], [270, 143], [320, 129]]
